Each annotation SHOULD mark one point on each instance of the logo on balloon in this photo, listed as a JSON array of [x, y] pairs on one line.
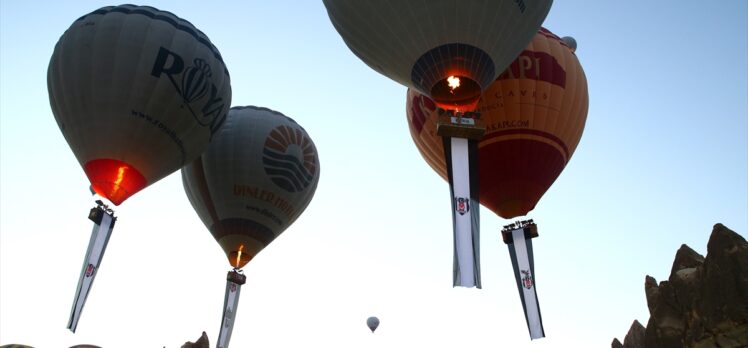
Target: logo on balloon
[[90, 270], [462, 205], [538, 66], [289, 158], [195, 80], [526, 278], [198, 92]]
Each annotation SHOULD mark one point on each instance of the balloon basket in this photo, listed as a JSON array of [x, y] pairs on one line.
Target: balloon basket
[[455, 124], [518, 237], [103, 219], [234, 281], [529, 228]]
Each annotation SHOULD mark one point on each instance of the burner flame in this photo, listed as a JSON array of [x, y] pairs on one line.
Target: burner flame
[[453, 83]]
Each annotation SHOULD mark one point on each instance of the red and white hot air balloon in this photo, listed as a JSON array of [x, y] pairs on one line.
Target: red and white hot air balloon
[[137, 93]]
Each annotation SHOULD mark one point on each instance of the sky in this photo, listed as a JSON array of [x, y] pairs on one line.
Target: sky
[[664, 156]]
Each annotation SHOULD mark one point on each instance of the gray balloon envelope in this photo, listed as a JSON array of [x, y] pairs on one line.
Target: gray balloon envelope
[[257, 176], [372, 323]]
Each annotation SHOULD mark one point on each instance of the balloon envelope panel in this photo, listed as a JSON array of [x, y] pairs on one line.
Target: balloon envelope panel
[[137, 93], [258, 175], [421, 43], [534, 114]]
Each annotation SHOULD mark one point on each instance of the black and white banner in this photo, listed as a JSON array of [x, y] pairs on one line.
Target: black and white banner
[[103, 225], [462, 167], [230, 303], [520, 251]]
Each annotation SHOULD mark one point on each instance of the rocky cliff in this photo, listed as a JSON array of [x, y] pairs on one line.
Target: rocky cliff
[[704, 302], [202, 342]]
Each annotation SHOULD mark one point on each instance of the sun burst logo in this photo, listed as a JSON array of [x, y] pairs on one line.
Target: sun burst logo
[[289, 158]]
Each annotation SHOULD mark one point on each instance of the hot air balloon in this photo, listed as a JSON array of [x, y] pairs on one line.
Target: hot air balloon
[[255, 179], [534, 114], [372, 323], [137, 93], [450, 51]]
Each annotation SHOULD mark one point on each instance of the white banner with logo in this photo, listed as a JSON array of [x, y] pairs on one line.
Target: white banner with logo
[[520, 251], [102, 230], [461, 155], [230, 304]]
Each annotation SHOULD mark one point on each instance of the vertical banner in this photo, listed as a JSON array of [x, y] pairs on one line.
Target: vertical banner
[[234, 282], [462, 163], [103, 225], [520, 251]]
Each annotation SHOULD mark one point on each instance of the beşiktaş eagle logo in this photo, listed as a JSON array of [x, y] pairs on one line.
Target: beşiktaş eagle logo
[[526, 278], [462, 205], [289, 158]]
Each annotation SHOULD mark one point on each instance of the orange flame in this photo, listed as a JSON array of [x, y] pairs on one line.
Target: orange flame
[[453, 83], [239, 255], [118, 180], [120, 175]]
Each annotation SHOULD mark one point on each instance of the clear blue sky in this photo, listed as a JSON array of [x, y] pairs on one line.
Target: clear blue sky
[[664, 156]]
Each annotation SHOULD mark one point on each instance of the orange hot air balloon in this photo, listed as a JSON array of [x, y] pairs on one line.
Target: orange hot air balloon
[[534, 114]]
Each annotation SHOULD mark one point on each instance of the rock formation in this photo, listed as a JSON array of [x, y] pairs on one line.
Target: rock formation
[[704, 302], [201, 342]]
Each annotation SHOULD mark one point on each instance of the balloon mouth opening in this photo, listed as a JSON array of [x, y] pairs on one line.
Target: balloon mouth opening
[[513, 209], [456, 92], [238, 258], [113, 179]]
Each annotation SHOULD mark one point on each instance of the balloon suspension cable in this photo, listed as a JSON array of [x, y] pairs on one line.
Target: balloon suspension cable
[[518, 237], [234, 281], [103, 219], [460, 133]]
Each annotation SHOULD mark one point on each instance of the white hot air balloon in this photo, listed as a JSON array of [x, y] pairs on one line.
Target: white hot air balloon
[[256, 178], [137, 93], [449, 50]]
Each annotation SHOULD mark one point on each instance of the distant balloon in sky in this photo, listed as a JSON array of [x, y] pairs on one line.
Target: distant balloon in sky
[[255, 179], [372, 323], [137, 93], [534, 114], [257, 176], [448, 50], [570, 42]]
